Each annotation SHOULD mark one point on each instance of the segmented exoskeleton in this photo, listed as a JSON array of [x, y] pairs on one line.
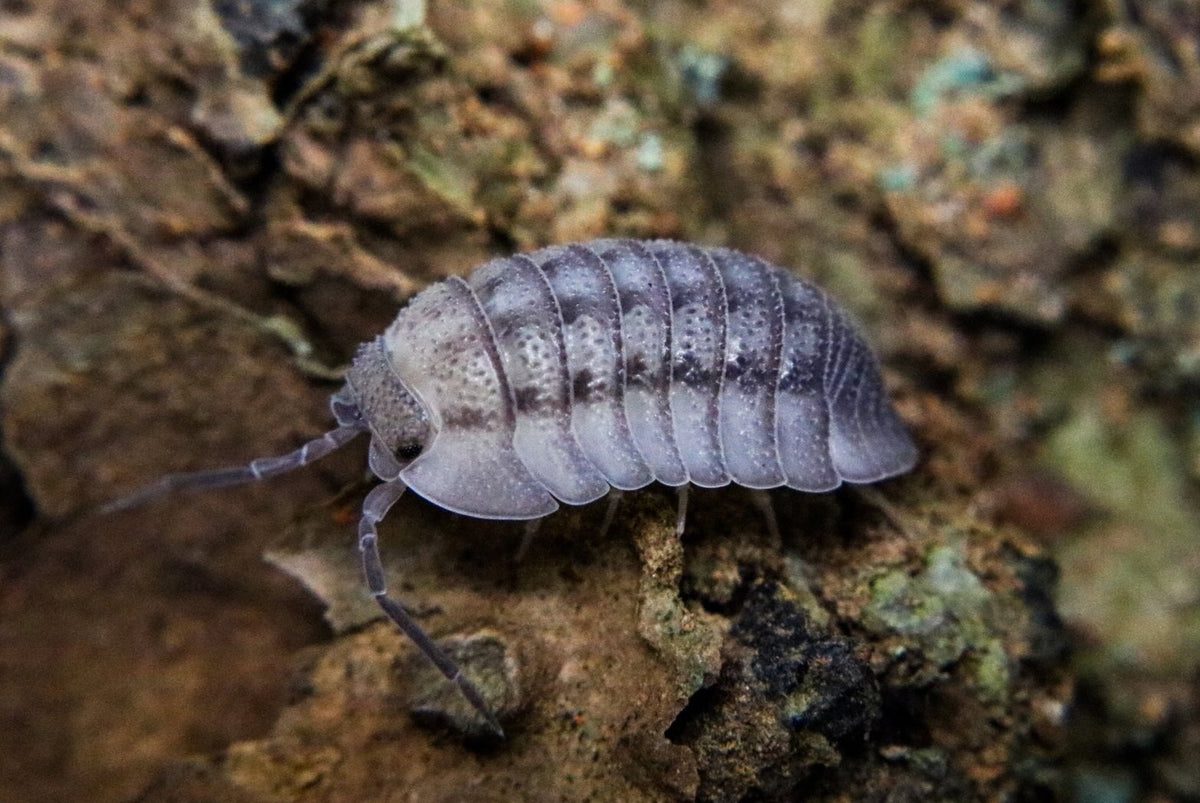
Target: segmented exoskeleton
[[558, 375]]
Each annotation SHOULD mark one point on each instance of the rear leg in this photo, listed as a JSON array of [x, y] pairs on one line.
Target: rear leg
[[681, 511], [610, 512], [375, 507], [533, 526], [530, 531], [893, 514], [762, 501]]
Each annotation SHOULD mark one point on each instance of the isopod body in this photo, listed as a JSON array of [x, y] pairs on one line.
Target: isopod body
[[552, 376], [558, 375]]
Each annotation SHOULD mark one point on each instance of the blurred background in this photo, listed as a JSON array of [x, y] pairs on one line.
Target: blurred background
[[206, 204]]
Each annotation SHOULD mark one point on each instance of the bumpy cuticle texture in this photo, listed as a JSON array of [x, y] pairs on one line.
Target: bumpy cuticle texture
[[558, 374]]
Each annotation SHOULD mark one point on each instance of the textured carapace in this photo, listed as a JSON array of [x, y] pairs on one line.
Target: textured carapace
[[570, 371], [616, 363]]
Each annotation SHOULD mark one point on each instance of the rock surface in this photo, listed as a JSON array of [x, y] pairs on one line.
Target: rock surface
[[205, 205]]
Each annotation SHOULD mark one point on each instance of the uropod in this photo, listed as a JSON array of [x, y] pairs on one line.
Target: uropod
[[574, 370]]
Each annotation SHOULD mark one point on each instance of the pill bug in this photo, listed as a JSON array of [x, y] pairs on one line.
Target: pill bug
[[562, 374]]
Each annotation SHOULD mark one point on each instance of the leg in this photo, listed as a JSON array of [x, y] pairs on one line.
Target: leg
[[681, 514], [610, 513], [762, 500], [531, 530], [890, 512], [375, 507], [256, 470]]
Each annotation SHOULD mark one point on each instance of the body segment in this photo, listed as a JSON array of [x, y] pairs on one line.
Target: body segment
[[749, 388], [526, 321], [646, 328], [698, 315], [443, 351], [591, 321]]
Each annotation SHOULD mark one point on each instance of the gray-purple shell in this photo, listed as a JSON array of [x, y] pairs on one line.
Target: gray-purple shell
[[558, 374]]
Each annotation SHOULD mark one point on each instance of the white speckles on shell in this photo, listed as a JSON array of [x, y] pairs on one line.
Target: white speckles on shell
[[646, 331], [591, 316], [866, 440], [753, 343], [528, 333], [645, 338], [590, 347], [801, 412], [621, 362], [697, 350], [535, 361], [441, 349]]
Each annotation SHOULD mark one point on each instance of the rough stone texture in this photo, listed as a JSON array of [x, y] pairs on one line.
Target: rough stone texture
[[205, 205]]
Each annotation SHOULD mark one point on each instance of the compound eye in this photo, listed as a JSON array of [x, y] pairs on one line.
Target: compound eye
[[346, 413], [409, 451]]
